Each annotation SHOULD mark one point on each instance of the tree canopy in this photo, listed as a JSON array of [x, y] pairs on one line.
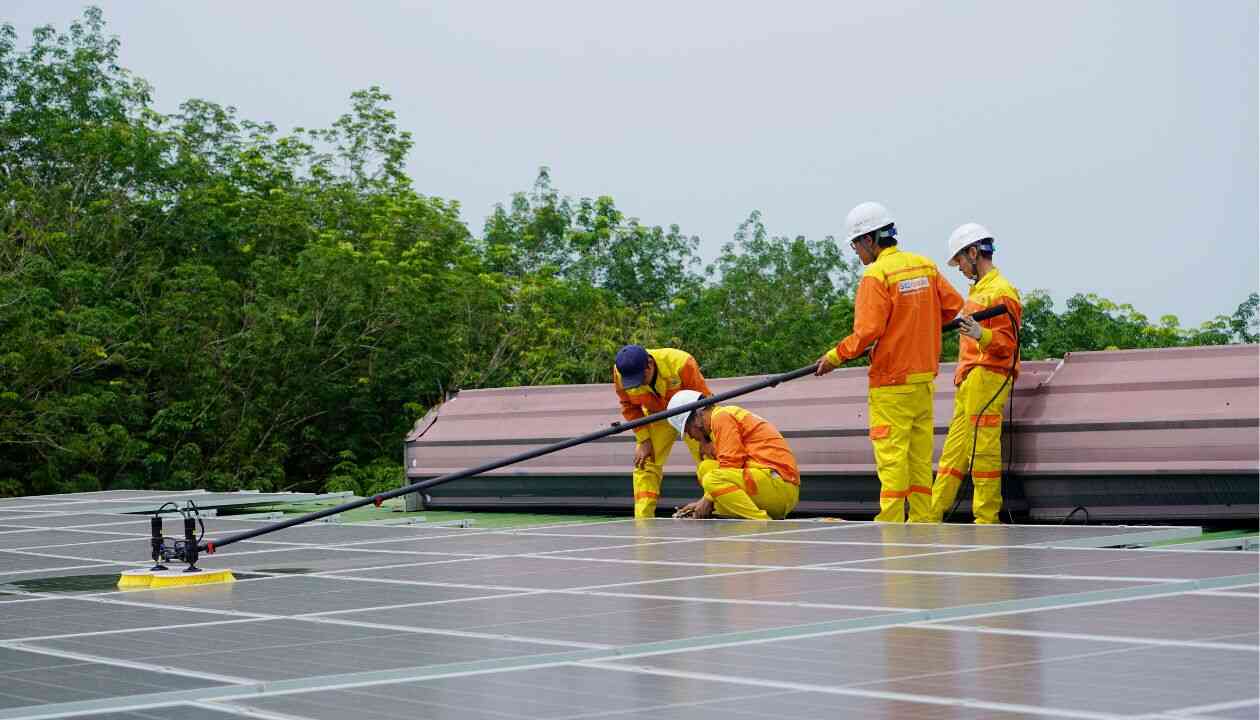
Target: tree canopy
[[197, 299]]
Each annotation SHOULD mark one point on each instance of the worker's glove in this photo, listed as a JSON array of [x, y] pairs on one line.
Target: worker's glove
[[969, 327], [686, 511]]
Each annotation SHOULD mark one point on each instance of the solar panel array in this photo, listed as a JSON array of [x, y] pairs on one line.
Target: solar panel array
[[625, 619]]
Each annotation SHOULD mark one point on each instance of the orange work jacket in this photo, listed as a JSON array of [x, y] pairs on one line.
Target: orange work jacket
[[902, 302], [995, 349]]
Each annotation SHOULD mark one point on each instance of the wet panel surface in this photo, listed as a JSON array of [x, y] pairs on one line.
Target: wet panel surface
[[1180, 617], [870, 589], [1053, 672], [575, 692], [313, 559], [539, 573], [28, 678], [513, 543], [602, 619], [173, 712], [280, 649], [969, 534], [54, 542], [1097, 563], [296, 594], [764, 552], [15, 566], [62, 616]]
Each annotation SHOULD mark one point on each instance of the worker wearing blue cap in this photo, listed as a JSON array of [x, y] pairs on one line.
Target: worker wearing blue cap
[[645, 380]]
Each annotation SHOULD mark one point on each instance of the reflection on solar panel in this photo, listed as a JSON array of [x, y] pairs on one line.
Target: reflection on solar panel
[[625, 619]]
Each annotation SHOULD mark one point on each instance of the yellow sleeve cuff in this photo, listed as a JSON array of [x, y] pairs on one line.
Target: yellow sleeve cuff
[[986, 337], [833, 357], [641, 433]]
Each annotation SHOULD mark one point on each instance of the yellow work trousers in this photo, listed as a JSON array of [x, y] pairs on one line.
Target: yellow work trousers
[[752, 493], [647, 480], [969, 426], [901, 432]]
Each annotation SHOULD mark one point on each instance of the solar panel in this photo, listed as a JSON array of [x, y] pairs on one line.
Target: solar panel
[[139, 501], [628, 619]]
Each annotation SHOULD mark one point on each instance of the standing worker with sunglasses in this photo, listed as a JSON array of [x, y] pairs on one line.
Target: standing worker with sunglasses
[[645, 380], [988, 363], [902, 301]]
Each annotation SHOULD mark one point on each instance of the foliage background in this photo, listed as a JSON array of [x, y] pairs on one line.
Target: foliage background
[[200, 300]]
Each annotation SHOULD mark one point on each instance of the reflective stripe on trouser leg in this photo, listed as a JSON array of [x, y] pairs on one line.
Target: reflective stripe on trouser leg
[[986, 476], [647, 480], [921, 432], [752, 493], [978, 388], [900, 419]]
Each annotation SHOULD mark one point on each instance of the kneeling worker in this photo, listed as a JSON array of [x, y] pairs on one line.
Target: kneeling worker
[[988, 363], [645, 380], [748, 470]]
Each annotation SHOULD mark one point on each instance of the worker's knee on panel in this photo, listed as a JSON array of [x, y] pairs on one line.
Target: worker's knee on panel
[[770, 492], [736, 503]]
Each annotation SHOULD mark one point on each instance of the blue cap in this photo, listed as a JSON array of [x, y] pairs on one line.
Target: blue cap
[[632, 364]]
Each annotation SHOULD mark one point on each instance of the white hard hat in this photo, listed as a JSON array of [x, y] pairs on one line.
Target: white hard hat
[[966, 235], [682, 397], [867, 217]]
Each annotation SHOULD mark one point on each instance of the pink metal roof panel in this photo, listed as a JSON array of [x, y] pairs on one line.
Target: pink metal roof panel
[[1185, 410]]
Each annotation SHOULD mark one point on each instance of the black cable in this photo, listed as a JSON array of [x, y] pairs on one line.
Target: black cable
[[1078, 508], [975, 434], [197, 513]]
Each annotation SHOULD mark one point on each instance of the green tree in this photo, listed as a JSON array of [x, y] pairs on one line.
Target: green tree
[[589, 241], [1245, 322], [771, 304]]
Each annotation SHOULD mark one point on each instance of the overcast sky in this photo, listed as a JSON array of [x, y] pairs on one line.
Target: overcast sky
[[1110, 145]]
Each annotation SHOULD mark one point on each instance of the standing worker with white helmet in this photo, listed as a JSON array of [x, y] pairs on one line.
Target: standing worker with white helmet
[[751, 474], [988, 363], [902, 301]]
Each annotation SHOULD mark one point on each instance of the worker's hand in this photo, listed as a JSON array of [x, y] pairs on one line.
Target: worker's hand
[[707, 452], [703, 508], [686, 511], [643, 453], [824, 366], [968, 326]]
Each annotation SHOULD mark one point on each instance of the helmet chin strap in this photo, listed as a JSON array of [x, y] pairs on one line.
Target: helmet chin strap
[[972, 272]]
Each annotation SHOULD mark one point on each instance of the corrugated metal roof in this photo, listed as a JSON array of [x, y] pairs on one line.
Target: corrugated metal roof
[[1189, 411]]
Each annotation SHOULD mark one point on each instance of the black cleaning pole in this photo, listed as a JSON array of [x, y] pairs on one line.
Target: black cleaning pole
[[210, 546]]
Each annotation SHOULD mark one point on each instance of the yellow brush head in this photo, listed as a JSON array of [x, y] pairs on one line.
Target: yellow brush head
[[151, 580], [135, 579]]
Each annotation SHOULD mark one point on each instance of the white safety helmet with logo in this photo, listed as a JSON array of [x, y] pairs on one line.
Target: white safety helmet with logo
[[680, 398], [866, 217], [966, 235]]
